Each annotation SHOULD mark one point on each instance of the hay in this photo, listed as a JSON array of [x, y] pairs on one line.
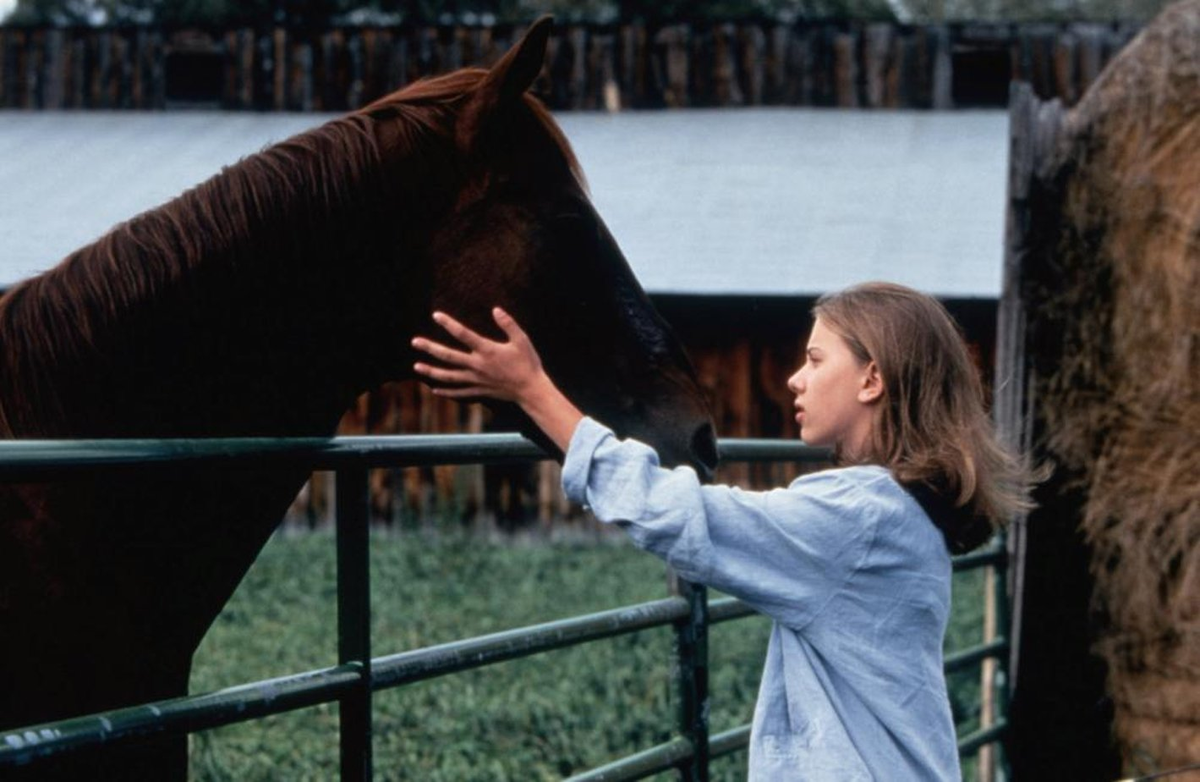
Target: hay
[[1122, 402]]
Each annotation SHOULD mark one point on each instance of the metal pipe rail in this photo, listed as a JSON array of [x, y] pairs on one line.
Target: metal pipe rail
[[33, 459], [287, 693], [358, 675]]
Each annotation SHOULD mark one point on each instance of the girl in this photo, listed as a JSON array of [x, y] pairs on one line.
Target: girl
[[852, 564]]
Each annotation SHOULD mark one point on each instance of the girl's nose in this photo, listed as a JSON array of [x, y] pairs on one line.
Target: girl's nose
[[793, 383]]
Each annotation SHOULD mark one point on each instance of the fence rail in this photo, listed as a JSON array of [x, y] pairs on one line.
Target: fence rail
[[843, 63], [352, 682]]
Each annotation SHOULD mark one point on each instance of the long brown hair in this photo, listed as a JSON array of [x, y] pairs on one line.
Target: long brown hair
[[933, 431]]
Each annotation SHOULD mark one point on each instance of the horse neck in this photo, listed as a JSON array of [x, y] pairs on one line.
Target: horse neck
[[245, 306]]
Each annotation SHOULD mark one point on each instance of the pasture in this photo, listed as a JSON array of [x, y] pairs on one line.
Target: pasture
[[539, 718]]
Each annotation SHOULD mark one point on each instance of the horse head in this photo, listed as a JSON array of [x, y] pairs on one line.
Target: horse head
[[519, 231]]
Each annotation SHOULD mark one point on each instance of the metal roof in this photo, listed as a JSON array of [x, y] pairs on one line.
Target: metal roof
[[746, 201]]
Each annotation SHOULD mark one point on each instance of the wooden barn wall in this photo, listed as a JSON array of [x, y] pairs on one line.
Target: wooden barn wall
[[825, 63], [743, 349]]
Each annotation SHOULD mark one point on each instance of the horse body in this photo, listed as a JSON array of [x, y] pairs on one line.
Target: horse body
[[262, 303]]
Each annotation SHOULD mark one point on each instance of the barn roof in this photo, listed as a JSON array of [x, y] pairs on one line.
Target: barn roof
[[735, 202]]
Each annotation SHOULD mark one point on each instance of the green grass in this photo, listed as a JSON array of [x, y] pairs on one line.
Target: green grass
[[543, 717]]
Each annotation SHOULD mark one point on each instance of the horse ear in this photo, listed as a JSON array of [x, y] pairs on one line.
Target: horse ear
[[508, 79], [520, 66]]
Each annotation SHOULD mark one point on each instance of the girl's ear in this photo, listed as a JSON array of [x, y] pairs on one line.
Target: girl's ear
[[871, 390]]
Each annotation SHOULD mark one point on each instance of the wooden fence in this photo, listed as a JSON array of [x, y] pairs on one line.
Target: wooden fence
[[828, 63]]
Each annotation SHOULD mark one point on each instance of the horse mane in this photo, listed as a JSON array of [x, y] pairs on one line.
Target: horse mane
[[69, 316], [274, 203]]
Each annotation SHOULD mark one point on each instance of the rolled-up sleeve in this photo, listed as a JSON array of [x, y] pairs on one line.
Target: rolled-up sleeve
[[785, 552]]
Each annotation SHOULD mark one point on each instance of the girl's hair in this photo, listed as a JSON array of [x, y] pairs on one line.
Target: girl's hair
[[933, 431]]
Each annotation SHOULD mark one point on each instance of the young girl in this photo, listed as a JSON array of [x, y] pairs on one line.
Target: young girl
[[852, 564]]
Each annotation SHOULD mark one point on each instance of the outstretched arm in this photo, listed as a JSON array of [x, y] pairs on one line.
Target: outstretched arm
[[510, 371]]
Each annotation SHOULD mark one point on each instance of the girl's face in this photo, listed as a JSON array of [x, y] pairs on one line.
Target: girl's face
[[835, 394]]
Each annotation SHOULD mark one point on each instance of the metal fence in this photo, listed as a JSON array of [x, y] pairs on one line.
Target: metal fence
[[357, 675]]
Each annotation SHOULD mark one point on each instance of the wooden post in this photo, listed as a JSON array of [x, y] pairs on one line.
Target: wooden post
[[33, 70], [801, 67], [845, 46], [397, 75], [1058, 726], [1031, 131], [878, 63], [825, 65], [123, 72], [1064, 68], [144, 57], [985, 766], [1012, 395], [356, 58], [751, 45], [301, 78], [603, 90], [229, 70], [135, 56], [96, 82], [671, 45], [577, 84], [897, 92], [279, 63], [942, 78], [426, 52], [725, 89], [631, 59], [333, 57], [1040, 41], [451, 58], [245, 68], [376, 57], [320, 72], [776, 67], [1091, 54], [53, 79]]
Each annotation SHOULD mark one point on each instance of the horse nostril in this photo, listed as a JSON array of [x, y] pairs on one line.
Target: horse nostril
[[704, 449]]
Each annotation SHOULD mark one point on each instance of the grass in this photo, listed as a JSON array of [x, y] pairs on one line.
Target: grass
[[543, 717]]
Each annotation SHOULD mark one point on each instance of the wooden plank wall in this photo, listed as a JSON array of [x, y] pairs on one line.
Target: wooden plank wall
[[847, 64]]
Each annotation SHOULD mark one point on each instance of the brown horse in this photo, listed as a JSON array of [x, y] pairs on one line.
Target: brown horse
[[262, 302]]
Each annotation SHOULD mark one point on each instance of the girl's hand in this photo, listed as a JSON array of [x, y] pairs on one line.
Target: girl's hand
[[510, 371], [502, 370]]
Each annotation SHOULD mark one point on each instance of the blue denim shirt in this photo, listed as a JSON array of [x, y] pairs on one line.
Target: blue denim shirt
[[853, 573]]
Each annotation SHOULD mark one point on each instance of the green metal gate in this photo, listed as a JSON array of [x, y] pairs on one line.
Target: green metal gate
[[357, 675]]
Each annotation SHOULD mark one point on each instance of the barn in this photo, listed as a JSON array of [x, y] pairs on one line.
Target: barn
[[734, 221]]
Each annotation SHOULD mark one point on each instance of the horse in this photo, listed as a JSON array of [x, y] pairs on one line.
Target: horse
[[262, 302]]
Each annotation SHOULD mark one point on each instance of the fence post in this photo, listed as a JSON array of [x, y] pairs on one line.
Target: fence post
[[691, 655], [354, 621], [1000, 680]]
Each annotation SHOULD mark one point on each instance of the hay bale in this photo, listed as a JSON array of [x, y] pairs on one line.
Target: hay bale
[[1118, 301]]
